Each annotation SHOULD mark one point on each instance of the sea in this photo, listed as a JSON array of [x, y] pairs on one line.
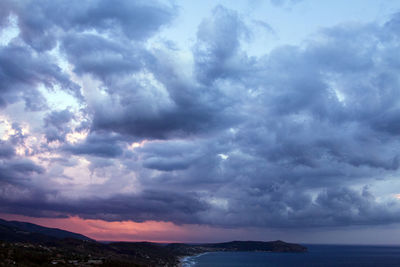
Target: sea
[[317, 255]]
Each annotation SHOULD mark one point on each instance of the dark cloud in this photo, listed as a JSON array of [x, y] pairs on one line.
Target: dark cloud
[[99, 56], [6, 150], [42, 22], [97, 145], [217, 51], [68, 162], [98, 163], [21, 72], [59, 118], [169, 156], [179, 107], [16, 170], [278, 207], [56, 125], [271, 206], [176, 108], [149, 205], [290, 139]]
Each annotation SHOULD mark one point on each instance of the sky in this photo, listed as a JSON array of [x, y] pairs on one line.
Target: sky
[[202, 121]]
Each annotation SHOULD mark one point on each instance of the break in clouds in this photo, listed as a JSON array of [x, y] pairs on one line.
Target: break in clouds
[[102, 116]]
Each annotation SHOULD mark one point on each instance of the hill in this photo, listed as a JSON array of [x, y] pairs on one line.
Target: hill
[[27, 244], [23, 231]]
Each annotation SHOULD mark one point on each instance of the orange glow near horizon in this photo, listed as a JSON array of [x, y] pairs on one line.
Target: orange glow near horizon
[[397, 196], [152, 231], [108, 231]]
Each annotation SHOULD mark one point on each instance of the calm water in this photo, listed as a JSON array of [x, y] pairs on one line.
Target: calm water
[[317, 255]]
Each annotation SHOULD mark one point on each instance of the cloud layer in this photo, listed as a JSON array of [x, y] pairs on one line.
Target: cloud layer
[[302, 136]]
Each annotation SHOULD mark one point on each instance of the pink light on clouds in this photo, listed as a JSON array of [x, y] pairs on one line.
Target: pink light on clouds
[[134, 231]]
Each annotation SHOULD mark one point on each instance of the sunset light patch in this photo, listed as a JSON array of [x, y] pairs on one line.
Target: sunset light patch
[[6, 129], [152, 231], [137, 144], [76, 137]]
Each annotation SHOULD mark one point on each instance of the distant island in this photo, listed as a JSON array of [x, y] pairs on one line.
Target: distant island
[[27, 244]]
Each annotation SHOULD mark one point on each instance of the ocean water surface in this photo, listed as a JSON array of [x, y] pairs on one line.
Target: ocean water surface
[[317, 255]]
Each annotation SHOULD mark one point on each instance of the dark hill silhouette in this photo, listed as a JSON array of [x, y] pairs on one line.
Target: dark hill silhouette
[[23, 231], [29, 244]]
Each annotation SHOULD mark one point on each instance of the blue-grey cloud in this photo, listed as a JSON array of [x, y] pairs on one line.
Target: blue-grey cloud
[[21, 72], [149, 205], [217, 51], [97, 145], [15, 171], [56, 125], [40, 22], [99, 56], [6, 150], [170, 156], [297, 137]]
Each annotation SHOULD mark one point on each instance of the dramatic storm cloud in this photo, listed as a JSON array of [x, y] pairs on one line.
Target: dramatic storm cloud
[[234, 116]]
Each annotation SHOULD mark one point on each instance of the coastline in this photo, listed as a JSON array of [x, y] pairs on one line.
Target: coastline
[[186, 261], [322, 255]]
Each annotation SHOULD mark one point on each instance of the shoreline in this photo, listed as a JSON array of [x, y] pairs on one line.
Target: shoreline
[[184, 261]]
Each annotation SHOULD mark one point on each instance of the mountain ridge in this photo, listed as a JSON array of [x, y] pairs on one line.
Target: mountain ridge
[[26, 228], [29, 244]]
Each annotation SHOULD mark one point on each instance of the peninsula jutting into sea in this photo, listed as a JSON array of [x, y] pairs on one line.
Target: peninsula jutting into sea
[[27, 244]]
